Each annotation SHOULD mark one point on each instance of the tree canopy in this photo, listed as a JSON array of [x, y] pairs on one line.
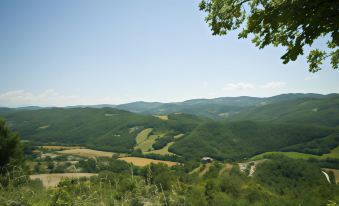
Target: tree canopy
[[11, 151], [293, 24]]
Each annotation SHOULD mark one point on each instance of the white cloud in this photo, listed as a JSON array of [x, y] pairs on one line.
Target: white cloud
[[252, 89], [238, 86], [273, 85], [48, 97], [241, 86]]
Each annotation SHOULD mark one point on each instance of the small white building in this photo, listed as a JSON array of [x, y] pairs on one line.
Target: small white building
[[206, 159]]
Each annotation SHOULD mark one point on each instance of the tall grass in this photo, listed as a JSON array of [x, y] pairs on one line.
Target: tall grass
[[106, 189]]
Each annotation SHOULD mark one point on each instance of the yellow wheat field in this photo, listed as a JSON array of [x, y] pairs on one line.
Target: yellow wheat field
[[139, 161], [55, 147], [87, 153]]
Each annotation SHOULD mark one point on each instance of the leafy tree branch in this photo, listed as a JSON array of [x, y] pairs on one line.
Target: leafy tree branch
[[292, 24]]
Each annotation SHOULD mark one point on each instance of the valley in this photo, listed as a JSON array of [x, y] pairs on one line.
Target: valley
[[243, 152]]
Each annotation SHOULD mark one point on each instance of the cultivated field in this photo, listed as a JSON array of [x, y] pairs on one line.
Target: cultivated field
[[162, 151], [56, 147], [139, 161], [52, 180], [162, 117], [334, 153], [86, 153], [142, 136], [145, 140], [297, 155], [147, 144]]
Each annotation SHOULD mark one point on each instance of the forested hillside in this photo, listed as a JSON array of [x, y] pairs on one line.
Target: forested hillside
[[315, 111], [304, 123], [219, 108], [105, 129], [238, 140]]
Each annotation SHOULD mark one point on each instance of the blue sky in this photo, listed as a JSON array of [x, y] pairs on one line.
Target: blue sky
[[57, 53]]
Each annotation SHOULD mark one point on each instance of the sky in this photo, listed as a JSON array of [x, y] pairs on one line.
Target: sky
[[83, 52]]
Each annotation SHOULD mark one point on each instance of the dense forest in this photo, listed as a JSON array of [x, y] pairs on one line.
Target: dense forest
[[277, 181], [306, 123], [233, 178]]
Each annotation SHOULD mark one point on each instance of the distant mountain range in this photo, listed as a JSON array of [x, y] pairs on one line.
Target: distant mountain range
[[224, 128], [218, 108]]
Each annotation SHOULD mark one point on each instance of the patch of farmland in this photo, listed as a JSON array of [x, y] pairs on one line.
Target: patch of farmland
[[333, 154], [162, 117], [145, 140], [140, 161], [52, 180], [162, 151], [165, 149], [58, 147], [87, 153], [297, 155], [147, 144], [142, 136]]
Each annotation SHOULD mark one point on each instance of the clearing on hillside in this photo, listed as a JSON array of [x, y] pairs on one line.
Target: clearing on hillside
[[162, 117], [162, 151], [147, 144], [145, 140], [142, 136], [178, 136], [87, 153], [297, 155], [52, 180], [333, 154], [140, 161], [58, 147]]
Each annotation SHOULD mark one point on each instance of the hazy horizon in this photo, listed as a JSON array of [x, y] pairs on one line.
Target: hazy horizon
[[107, 103]]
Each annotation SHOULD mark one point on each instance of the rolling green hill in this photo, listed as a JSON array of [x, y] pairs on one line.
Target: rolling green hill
[[305, 123], [233, 108], [238, 140], [238, 108], [105, 128], [315, 111]]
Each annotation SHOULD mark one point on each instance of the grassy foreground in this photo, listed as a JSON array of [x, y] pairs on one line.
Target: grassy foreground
[[281, 182]]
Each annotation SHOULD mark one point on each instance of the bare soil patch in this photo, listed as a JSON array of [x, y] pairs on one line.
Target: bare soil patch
[[52, 180]]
